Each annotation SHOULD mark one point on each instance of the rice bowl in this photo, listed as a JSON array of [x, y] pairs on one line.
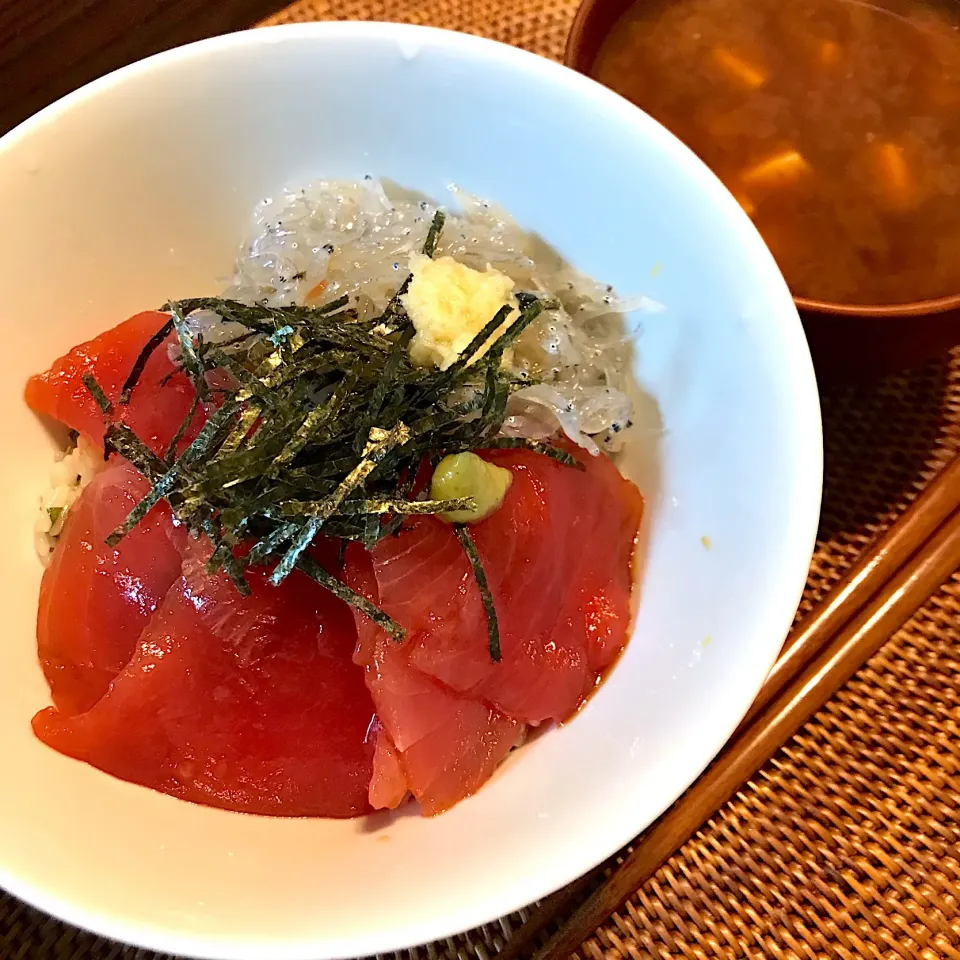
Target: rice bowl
[[299, 583], [739, 461]]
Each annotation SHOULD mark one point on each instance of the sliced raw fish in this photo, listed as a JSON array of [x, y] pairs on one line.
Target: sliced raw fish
[[439, 745], [558, 558], [95, 600], [249, 703], [162, 399], [557, 555]]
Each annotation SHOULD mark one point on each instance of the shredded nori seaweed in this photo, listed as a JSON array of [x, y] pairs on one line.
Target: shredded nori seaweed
[[319, 424], [489, 607]]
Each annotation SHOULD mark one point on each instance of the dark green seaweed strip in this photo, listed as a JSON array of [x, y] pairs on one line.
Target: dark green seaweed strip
[[454, 374], [139, 365], [308, 508], [477, 343], [315, 572], [237, 468], [231, 535], [495, 393], [331, 306], [189, 356], [405, 488], [165, 484], [161, 488], [99, 397], [531, 309], [347, 528], [317, 364], [305, 536], [268, 364], [407, 507], [440, 417], [223, 556], [349, 336], [394, 310], [236, 341], [383, 386], [239, 431], [321, 472], [271, 542], [433, 234], [182, 429], [370, 530], [493, 625], [125, 442], [494, 407], [399, 435], [311, 423], [251, 387], [394, 313], [537, 446], [207, 437]]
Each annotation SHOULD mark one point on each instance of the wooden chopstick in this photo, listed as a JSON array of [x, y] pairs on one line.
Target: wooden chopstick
[[861, 582], [919, 552]]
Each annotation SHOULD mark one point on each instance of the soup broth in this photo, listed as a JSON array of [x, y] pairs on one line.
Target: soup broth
[[835, 123]]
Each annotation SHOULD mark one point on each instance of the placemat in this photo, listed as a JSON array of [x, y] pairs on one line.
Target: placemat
[[847, 844]]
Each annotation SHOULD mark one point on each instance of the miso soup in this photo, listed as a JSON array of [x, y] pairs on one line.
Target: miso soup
[[835, 123]]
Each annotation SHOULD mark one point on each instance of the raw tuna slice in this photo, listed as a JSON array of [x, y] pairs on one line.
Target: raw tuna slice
[[252, 704], [95, 600], [435, 743], [557, 555], [162, 399]]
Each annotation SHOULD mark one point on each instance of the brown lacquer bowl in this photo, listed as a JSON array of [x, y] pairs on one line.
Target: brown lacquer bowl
[[847, 341]]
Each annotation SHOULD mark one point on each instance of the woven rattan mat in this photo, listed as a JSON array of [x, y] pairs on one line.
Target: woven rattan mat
[[848, 842]]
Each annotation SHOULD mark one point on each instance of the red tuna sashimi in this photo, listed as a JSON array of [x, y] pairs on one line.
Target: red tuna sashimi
[[95, 600], [432, 741], [251, 704], [160, 402], [557, 555]]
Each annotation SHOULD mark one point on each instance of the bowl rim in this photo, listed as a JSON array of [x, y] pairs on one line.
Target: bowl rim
[[794, 566], [575, 58]]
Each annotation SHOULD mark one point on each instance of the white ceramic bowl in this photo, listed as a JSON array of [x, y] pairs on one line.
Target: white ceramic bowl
[[138, 188]]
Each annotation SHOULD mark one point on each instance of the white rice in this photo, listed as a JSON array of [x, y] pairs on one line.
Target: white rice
[[72, 470], [356, 237]]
